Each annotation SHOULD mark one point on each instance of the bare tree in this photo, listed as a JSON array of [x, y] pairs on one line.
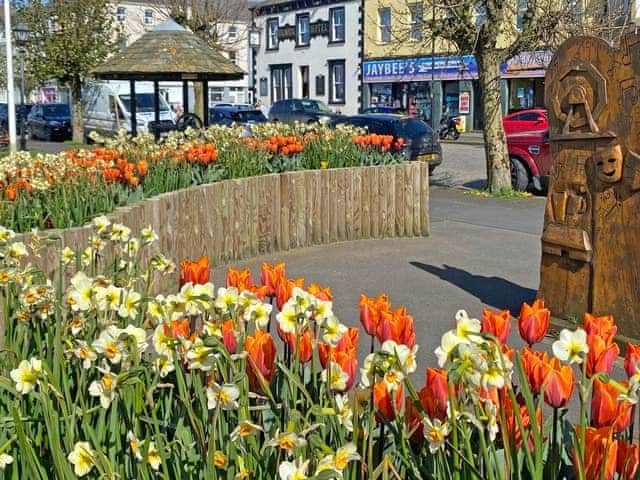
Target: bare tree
[[497, 30]]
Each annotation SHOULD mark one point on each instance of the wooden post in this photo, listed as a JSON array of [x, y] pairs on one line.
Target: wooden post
[[134, 107]]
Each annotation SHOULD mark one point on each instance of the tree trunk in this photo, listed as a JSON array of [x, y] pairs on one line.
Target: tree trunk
[[495, 141], [198, 91], [77, 122]]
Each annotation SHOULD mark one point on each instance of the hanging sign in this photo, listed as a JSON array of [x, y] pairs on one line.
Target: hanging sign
[[464, 103]]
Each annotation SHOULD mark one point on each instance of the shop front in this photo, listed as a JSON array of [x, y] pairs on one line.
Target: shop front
[[524, 75]]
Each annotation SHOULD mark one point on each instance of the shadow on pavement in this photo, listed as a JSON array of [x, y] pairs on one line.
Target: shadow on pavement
[[476, 184], [494, 291]]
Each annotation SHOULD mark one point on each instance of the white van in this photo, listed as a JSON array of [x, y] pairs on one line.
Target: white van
[[107, 108]]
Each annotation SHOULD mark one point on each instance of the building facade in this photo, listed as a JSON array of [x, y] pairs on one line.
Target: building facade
[[309, 49]]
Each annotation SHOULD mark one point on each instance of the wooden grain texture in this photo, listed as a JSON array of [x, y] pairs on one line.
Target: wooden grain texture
[[366, 202]]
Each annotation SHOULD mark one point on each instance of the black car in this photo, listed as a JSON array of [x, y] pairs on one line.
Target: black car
[[240, 115], [383, 109], [21, 111], [301, 110], [50, 121], [420, 141]]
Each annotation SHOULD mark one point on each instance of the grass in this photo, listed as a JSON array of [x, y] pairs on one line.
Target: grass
[[506, 192]]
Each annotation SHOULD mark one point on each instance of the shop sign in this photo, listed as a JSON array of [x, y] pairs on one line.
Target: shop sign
[[420, 69], [464, 102], [319, 28]]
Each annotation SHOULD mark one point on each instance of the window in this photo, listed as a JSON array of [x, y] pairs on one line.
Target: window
[[319, 85], [232, 57], [384, 23], [336, 82], [280, 82], [302, 30], [520, 14], [120, 13], [336, 29], [148, 17], [272, 29], [416, 21], [264, 87], [233, 31]]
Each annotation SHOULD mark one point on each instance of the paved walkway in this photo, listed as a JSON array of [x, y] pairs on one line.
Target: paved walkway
[[482, 252]]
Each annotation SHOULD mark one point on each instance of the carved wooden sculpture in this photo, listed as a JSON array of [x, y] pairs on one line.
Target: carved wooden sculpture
[[591, 238]]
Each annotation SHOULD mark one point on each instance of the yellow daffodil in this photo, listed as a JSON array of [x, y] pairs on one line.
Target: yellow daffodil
[[67, 256], [220, 459]]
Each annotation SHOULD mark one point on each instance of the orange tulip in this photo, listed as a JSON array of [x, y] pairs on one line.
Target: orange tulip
[[285, 288], [261, 360], [600, 453], [195, 272], [600, 356], [438, 393], [319, 292], [533, 363], [178, 328], [627, 460], [397, 326], [496, 323], [533, 321], [606, 409], [241, 279], [270, 276], [386, 407], [229, 336], [370, 310], [512, 425], [558, 383], [345, 354], [305, 343], [603, 326], [631, 359]]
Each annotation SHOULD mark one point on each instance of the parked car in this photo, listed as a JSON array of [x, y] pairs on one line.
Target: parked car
[[420, 141], [530, 160], [383, 109], [226, 115], [50, 121], [301, 110], [20, 112], [531, 120]]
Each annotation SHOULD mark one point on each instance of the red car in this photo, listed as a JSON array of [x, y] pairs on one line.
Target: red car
[[530, 159], [532, 120]]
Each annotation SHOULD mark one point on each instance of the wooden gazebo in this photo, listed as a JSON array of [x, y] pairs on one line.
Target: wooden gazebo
[[169, 52]]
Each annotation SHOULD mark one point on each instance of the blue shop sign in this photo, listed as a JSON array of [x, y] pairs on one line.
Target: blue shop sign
[[419, 69]]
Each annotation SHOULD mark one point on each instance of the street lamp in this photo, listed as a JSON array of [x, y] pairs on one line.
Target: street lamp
[[21, 33], [254, 43]]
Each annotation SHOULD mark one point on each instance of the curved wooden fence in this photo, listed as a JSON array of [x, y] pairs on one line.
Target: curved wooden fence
[[243, 218]]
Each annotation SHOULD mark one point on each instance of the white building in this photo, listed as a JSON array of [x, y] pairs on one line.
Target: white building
[[136, 17], [309, 49]]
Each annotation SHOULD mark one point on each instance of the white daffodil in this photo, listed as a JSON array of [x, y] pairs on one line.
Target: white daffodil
[[406, 357], [96, 243], [6, 234], [244, 429], [293, 470], [139, 336], [86, 257], [448, 342], [85, 353], [335, 377], [132, 247], [204, 292], [134, 444], [287, 441], [105, 388], [101, 223], [302, 299], [260, 313], [368, 369], [120, 233], [67, 256], [148, 235], [333, 330], [113, 298], [436, 433], [18, 250], [340, 460], [162, 343], [323, 310], [109, 344], [81, 293], [153, 457], [26, 375], [164, 365], [287, 318], [226, 298], [200, 356], [163, 264], [344, 411], [5, 459], [226, 396], [129, 306], [571, 346], [467, 328], [82, 457], [155, 308]]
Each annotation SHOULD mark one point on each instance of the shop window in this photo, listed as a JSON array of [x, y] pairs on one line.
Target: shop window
[[280, 82], [120, 14], [336, 82], [384, 23], [320, 85], [416, 21], [148, 17], [302, 30], [336, 18], [272, 37]]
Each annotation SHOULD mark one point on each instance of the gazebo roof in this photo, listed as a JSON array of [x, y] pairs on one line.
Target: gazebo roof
[[169, 52]]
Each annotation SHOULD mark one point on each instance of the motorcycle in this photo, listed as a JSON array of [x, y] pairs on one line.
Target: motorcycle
[[448, 129]]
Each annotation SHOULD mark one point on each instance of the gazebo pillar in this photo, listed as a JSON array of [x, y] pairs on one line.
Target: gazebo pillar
[[156, 108], [185, 96], [205, 103], [134, 107]]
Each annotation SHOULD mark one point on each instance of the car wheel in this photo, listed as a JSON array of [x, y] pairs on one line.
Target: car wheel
[[519, 174], [431, 169]]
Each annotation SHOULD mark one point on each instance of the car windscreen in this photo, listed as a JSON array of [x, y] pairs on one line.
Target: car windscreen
[[309, 106], [58, 110], [248, 116], [144, 102], [412, 128]]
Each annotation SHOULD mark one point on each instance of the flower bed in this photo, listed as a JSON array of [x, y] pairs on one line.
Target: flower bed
[[61, 191], [100, 379]]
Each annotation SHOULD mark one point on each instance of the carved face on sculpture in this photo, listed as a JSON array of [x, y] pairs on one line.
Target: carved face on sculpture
[[608, 164]]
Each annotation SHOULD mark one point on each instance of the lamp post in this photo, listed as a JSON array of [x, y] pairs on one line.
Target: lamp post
[[254, 43], [11, 104], [21, 33]]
